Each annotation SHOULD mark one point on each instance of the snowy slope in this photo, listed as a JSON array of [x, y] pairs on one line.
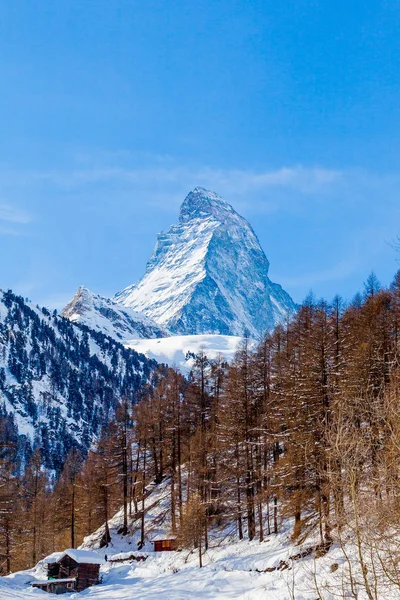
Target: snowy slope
[[275, 569], [229, 575], [233, 571], [59, 381], [136, 331], [176, 350], [102, 314], [209, 274]]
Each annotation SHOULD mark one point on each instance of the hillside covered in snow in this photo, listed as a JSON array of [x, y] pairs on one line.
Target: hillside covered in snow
[[233, 569], [59, 381]]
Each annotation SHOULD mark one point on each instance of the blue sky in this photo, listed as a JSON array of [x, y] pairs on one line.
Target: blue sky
[[111, 112]]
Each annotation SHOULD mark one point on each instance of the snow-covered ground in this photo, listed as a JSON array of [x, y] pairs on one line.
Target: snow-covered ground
[[230, 572], [174, 350], [233, 570]]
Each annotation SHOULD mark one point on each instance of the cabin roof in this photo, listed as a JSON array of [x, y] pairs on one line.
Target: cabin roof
[[79, 556], [83, 556], [52, 558], [160, 538]]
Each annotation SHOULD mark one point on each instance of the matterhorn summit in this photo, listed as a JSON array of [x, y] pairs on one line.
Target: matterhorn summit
[[209, 274]]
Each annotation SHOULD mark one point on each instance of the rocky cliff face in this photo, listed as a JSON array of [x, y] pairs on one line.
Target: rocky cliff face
[[209, 274]]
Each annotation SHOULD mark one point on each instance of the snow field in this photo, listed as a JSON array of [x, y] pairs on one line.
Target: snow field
[[233, 569], [173, 350], [230, 572]]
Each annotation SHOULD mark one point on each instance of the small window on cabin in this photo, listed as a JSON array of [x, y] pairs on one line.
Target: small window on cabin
[[165, 544]]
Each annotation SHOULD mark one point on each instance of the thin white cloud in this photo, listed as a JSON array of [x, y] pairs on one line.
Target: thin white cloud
[[303, 179], [5, 230], [10, 214], [300, 178], [12, 219]]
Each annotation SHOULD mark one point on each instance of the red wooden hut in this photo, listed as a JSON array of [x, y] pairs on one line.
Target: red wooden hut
[[164, 544]]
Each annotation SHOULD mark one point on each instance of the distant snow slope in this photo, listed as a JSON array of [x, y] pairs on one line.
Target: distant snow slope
[[209, 274], [176, 350], [138, 332], [102, 314]]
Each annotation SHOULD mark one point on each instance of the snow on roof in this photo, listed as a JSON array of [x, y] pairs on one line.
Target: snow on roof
[[52, 558], [80, 556], [163, 538], [47, 581], [83, 556]]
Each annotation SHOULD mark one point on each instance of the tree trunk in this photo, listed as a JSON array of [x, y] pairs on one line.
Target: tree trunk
[[125, 478], [200, 555], [73, 517], [238, 495], [142, 532]]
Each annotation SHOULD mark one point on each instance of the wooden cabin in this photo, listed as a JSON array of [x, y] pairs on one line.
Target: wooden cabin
[[72, 570], [164, 544]]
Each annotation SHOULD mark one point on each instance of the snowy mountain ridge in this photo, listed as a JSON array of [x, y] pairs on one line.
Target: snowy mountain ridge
[[136, 331], [209, 275], [108, 317]]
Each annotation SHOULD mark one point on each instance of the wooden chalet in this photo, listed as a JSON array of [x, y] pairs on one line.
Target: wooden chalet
[[164, 544], [72, 570]]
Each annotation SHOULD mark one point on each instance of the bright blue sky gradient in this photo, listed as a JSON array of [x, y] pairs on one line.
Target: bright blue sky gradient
[[111, 111]]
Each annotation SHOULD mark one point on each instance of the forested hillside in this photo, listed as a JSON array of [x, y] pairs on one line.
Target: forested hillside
[[304, 429], [59, 382]]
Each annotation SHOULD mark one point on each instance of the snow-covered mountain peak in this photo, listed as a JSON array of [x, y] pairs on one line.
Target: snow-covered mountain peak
[[83, 300], [201, 203], [209, 275], [108, 317]]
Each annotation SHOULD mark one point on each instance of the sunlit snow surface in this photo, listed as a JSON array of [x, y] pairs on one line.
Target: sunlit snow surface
[[233, 569], [230, 572], [168, 577], [175, 350]]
